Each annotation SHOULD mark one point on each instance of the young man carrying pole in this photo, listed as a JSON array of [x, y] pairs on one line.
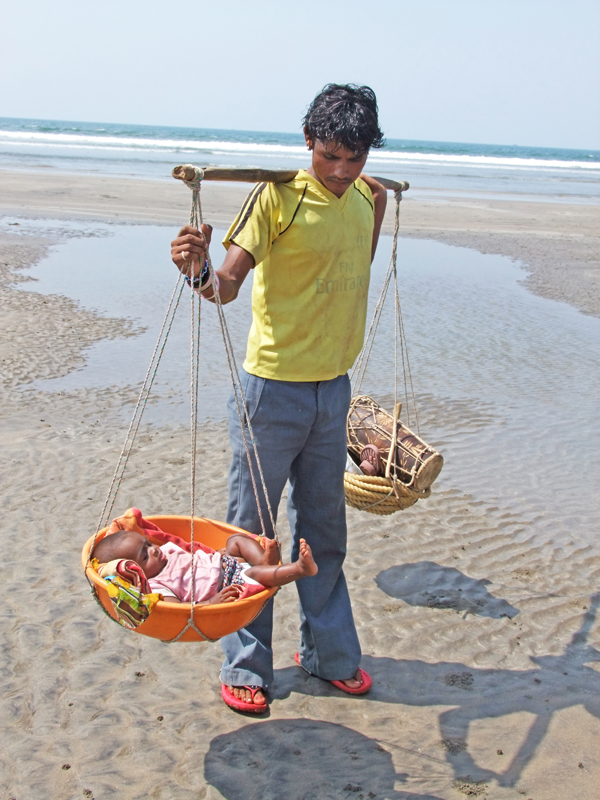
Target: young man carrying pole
[[311, 242]]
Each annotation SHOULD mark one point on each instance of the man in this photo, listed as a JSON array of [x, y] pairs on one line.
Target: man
[[311, 242]]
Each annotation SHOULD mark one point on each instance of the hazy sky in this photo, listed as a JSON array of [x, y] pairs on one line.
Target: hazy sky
[[495, 71]]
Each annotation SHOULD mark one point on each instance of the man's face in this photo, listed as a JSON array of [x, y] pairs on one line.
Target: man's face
[[334, 166], [151, 558]]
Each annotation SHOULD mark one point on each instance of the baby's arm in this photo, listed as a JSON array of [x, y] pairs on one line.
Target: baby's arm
[[227, 595]]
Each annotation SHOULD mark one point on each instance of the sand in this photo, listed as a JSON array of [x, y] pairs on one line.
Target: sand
[[484, 649]]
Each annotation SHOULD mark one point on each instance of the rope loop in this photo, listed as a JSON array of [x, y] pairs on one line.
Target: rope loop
[[194, 184]]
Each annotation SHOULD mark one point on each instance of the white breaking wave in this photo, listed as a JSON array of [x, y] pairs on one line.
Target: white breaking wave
[[487, 161], [130, 143], [167, 146]]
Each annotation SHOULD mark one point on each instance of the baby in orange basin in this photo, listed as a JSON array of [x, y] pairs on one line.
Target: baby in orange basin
[[243, 567]]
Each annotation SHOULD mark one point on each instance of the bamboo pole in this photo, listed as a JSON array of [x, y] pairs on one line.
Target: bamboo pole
[[185, 172], [393, 186]]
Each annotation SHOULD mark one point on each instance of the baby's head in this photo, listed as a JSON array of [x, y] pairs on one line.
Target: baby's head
[[131, 546]]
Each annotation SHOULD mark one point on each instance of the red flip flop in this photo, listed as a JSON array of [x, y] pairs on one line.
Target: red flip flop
[[362, 689], [241, 705]]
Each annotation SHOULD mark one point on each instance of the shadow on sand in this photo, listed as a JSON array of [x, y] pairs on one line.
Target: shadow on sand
[[446, 587], [554, 683], [302, 759]]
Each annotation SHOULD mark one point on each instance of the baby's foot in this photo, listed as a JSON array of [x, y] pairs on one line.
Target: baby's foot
[[306, 561], [272, 554]]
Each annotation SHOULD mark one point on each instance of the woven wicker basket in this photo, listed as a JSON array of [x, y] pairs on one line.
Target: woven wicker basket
[[378, 495], [412, 464]]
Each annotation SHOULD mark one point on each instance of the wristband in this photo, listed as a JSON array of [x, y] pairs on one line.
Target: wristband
[[205, 275], [202, 281], [195, 284]]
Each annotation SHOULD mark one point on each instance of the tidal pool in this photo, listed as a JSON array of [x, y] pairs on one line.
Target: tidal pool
[[507, 383]]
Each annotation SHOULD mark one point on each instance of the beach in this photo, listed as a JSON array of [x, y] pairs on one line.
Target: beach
[[557, 242], [478, 622]]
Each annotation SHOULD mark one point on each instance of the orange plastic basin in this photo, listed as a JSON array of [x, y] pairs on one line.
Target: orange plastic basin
[[167, 620]]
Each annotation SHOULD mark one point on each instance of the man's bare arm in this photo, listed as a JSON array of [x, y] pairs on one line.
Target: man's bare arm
[[234, 271], [380, 201]]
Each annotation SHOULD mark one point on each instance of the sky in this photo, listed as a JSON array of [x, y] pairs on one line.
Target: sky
[[523, 72]]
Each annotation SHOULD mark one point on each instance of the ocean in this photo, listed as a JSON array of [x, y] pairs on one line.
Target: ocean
[[434, 169]]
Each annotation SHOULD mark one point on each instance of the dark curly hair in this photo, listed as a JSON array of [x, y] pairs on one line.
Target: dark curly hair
[[346, 114]]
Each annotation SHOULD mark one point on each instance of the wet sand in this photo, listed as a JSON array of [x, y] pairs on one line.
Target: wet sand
[[484, 650]]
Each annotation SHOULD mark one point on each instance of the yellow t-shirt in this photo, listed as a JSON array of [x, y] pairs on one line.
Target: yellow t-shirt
[[312, 255]]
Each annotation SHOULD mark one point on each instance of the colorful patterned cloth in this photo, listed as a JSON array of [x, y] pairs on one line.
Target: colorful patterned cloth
[[233, 571], [132, 606]]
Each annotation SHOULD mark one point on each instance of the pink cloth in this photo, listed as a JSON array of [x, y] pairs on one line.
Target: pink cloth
[[176, 579]]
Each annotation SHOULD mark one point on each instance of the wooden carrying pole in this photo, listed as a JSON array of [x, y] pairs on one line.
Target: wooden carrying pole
[[186, 172]]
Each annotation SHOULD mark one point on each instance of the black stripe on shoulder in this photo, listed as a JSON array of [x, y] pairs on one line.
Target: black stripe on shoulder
[[296, 211], [246, 201], [362, 194], [247, 209]]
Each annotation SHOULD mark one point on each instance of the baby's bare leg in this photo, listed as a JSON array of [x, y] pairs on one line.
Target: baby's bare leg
[[270, 575], [248, 549]]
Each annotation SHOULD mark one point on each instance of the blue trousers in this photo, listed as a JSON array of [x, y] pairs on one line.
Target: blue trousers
[[300, 433]]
